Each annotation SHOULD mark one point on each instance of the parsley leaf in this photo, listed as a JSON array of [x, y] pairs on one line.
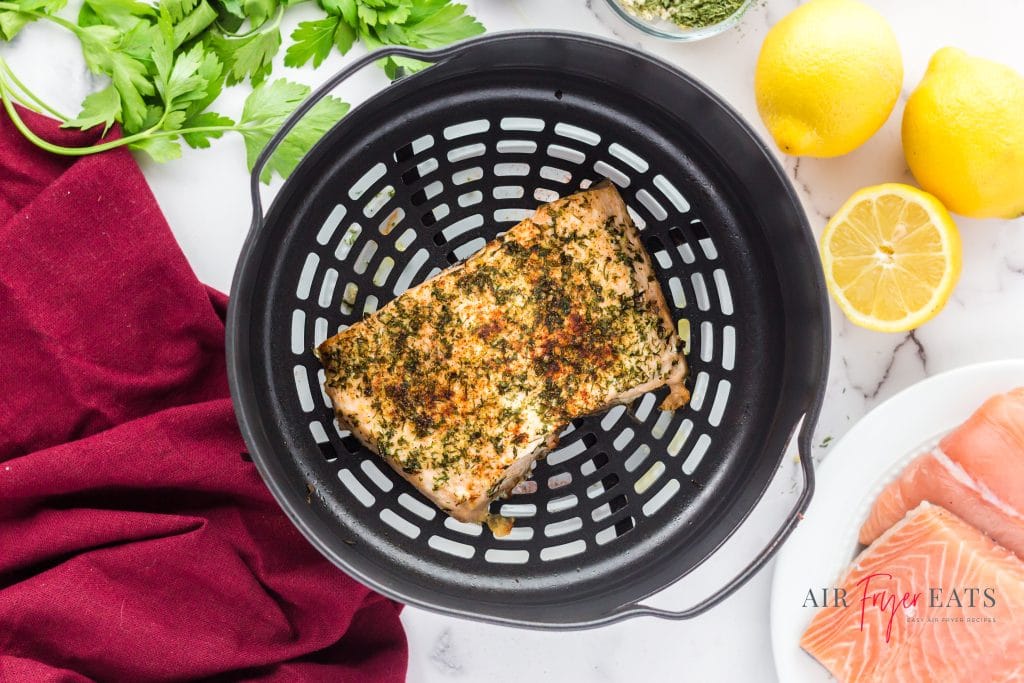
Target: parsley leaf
[[348, 9], [12, 21], [194, 23], [210, 70], [233, 8], [121, 14], [181, 84], [423, 24], [160, 149], [200, 139], [313, 40], [137, 41], [259, 11], [344, 37], [169, 60], [444, 25], [100, 47], [249, 55], [267, 108], [178, 9], [384, 12], [102, 106]]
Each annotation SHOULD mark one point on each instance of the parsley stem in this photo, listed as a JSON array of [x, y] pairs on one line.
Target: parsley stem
[[6, 96], [60, 21], [16, 119], [213, 129], [26, 93], [6, 93]]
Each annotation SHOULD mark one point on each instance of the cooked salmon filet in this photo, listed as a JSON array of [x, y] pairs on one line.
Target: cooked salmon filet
[[976, 472], [928, 554], [462, 382]]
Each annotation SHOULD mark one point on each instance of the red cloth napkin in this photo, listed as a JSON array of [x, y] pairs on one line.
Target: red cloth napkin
[[136, 542]]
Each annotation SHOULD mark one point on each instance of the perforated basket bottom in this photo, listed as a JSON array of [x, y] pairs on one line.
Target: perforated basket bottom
[[372, 247], [631, 499]]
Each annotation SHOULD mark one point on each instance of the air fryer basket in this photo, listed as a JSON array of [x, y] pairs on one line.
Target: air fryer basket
[[419, 177]]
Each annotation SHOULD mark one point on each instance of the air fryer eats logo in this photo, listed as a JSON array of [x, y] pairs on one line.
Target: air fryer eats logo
[[873, 593]]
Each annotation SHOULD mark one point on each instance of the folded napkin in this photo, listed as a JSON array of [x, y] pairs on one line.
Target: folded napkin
[[137, 542]]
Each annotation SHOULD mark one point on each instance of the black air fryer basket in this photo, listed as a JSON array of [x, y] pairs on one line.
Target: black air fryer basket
[[421, 176]]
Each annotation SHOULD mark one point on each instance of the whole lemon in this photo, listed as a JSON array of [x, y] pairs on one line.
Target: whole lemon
[[827, 77], [963, 135]]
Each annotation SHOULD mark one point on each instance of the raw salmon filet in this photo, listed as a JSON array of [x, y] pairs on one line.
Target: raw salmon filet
[[976, 472], [931, 639]]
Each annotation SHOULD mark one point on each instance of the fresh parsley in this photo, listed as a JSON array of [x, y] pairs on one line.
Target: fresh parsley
[[167, 63], [416, 23]]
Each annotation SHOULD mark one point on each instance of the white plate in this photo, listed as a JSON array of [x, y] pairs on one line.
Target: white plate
[[856, 469]]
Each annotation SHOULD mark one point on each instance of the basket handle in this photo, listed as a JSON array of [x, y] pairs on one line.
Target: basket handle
[[804, 441], [321, 92]]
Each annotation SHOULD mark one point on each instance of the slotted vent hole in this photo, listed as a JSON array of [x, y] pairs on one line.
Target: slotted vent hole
[[399, 523], [463, 527], [367, 180], [558, 175], [405, 240], [500, 556], [512, 215], [447, 545], [379, 201], [298, 331], [544, 195], [629, 157], [560, 480], [416, 507], [306, 276], [577, 133], [391, 221], [467, 152], [511, 169], [365, 256], [375, 475], [522, 123], [606, 170], [460, 130], [517, 146], [508, 192], [331, 224], [468, 175], [566, 453], [564, 153], [518, 510], [610, 533]]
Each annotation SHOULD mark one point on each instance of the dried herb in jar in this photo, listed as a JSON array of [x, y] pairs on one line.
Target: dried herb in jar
[[685, 13]]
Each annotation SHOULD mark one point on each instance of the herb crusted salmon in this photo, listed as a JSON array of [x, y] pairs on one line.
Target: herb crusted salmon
[[463, 381]]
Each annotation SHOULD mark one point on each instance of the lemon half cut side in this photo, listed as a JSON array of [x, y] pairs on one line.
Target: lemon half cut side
[[891, 257]]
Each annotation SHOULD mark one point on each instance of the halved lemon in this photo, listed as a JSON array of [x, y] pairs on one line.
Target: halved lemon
[[892, 257]]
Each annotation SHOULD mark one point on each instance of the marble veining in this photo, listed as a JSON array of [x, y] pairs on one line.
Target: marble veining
[[444, 656], [204, 196]]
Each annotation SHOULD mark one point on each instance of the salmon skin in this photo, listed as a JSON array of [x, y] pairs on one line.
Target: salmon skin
[[462, 382], [904, 581], [976, 472]]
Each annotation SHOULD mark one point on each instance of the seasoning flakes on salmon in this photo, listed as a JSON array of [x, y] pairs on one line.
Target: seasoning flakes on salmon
[[932, 599], [462, 382]]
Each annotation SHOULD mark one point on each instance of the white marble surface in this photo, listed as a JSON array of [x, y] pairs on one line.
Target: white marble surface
[[205, 199]]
